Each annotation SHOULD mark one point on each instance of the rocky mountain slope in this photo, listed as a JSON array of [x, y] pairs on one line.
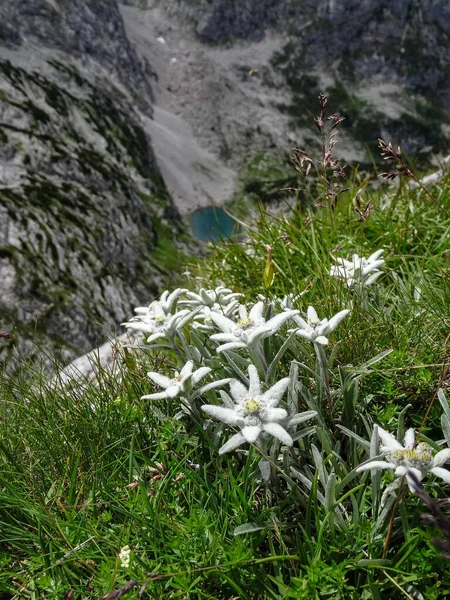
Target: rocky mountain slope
[[87, 228], [384, 65]]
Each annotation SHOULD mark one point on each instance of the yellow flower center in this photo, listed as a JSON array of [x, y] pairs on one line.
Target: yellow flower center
[[251, 405], [413, 455], [244, 323], [159, 319]]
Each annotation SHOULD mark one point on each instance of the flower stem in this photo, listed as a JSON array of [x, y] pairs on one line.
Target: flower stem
[[257, 354], [177, 351], [322, 359]]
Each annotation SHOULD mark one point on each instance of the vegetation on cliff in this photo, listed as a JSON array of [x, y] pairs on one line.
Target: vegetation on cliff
[[115, 488]]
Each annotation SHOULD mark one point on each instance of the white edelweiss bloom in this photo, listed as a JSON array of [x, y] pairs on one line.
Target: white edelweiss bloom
[[220, 296], [249, 329], [182, 383], [407, 458], [221, 300], [254, 412], [158, 323], [124, 557], [359, 269], [157, 318], [203, 320], [167, 303], [316, 330]]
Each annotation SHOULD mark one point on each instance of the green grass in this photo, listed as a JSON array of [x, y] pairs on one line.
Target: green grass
[[89, 468]]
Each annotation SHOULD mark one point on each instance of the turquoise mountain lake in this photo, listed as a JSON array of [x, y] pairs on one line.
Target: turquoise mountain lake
[[212, 224]]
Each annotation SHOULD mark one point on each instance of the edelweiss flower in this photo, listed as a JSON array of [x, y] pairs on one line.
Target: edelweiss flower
[[166, 302], [359, 269], [182, 383], [221, 296], [253, 412], [316, 330], [156, 322], [402, 459], [221, 300], [249, 329]]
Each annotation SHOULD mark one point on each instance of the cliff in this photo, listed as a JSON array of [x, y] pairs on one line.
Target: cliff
[[87, 229]]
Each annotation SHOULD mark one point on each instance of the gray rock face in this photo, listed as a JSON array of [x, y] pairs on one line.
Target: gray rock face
[[384, 65], [247, 19], [369, 35], [85, 220], [85, 29]]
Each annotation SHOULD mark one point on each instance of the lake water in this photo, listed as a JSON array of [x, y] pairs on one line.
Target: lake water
[[212, 224]]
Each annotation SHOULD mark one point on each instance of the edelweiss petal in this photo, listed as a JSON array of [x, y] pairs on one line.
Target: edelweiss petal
[[234, 442], [173, 391], [441, 457], [442, 473], [187, 369], [200, 373], [255, 385], [155, 336], [278, 432], [273, 396], [238, 390], [251, 433], [231, 346], [312, 315], [157, 396], [224, 323], [256, 313], [160, 380], [276, 414], [139, 326], [375, 464], [409, 439], [389, 441], [227, 415], [277, 321], [334, 321], [212, 386], [223, 337], [305, 334], [372, 278], [375, 256], [404, 472], [301, 322]]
